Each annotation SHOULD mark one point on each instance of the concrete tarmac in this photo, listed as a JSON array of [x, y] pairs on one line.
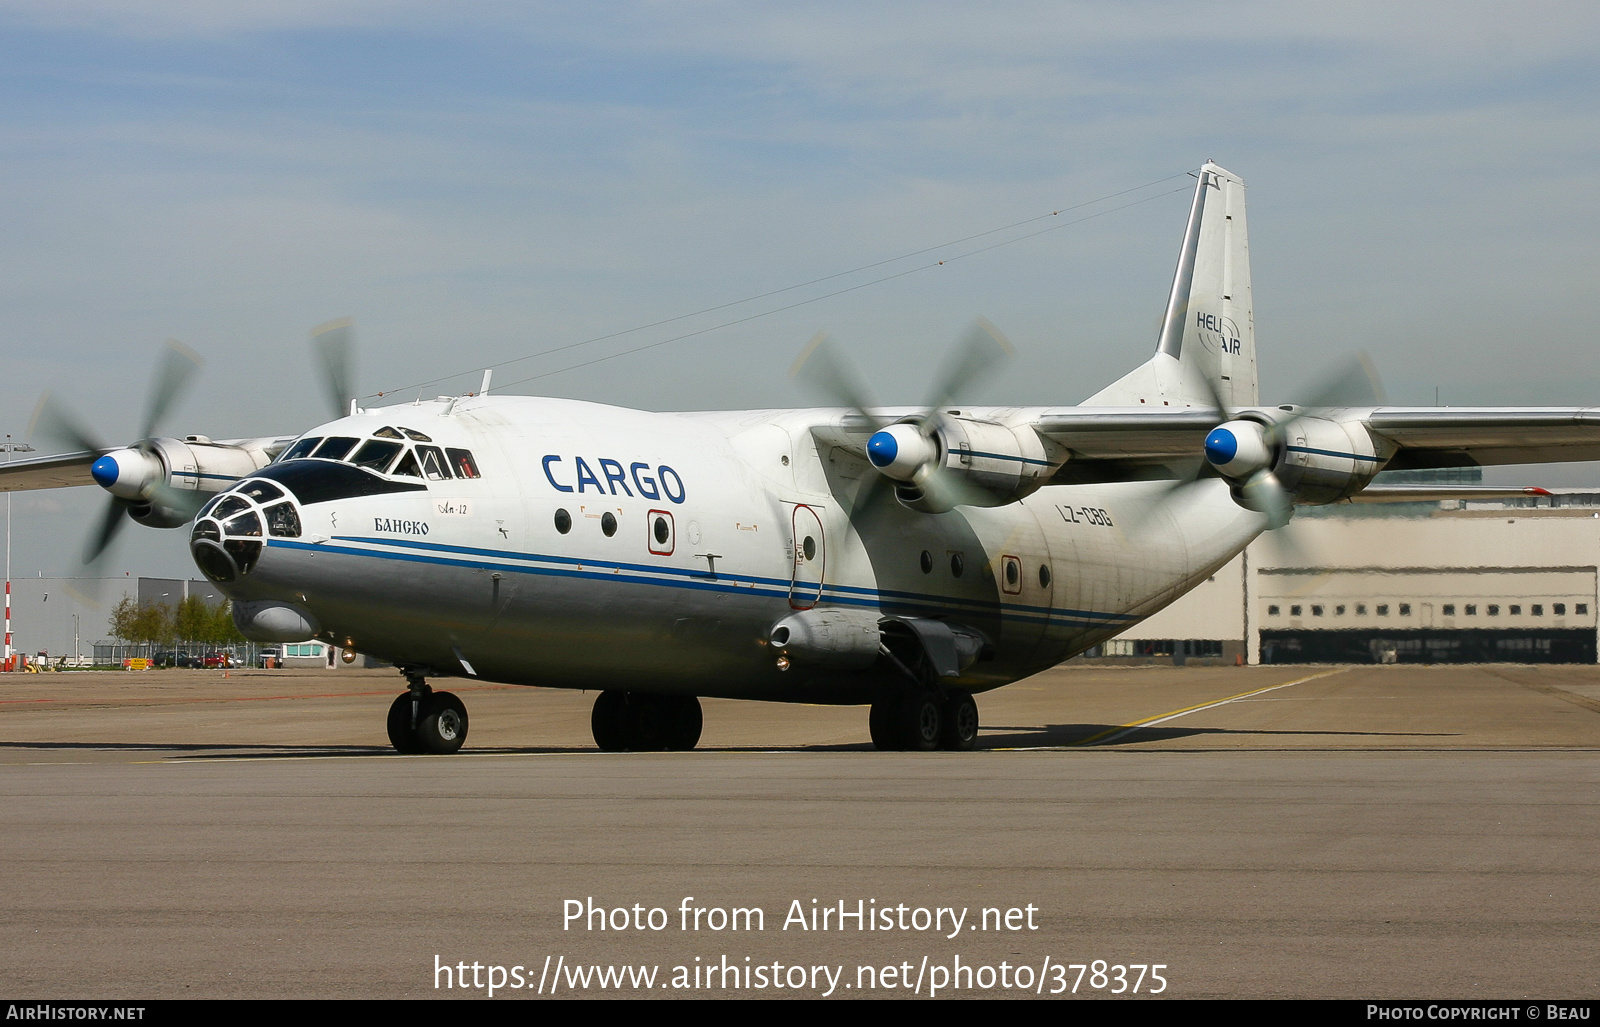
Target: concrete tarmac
[[1365, 832]]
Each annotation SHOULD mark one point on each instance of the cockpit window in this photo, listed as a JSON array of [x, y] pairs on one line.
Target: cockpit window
[[259, 491], [415, 436], [387, 432], [335, 448], [408, 466], [244, 524], [465, 466], [230, 506], [433, 465], [301, 449], [282, 521], [376, 455], [316, 481]]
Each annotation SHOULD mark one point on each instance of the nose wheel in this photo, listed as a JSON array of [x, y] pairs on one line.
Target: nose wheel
[[425, 721], [636, 722]]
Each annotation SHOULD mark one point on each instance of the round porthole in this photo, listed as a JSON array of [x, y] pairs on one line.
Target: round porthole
[[1044, 576], [608, 523], [563, 521], [1013, 573], [661, 531], [809, 547], [956, 564], [927, 562]]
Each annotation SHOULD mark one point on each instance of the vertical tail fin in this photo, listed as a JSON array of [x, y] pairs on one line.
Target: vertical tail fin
[[1207, 345]]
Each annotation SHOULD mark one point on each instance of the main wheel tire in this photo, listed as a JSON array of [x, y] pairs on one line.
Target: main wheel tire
[[609, 721], [442, 726], [884, 725], [921, 721], [959, 726], [682, 721], [401, 736]]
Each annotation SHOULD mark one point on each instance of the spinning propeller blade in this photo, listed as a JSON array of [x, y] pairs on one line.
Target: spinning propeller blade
[[334, 344]]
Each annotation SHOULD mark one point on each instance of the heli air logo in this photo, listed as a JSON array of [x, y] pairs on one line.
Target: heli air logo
[[1218, 334]]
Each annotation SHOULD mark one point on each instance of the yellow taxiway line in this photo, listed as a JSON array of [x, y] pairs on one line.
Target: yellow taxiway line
[[1111, 734]]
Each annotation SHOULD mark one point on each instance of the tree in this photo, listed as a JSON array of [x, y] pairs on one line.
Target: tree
[[124, 617]]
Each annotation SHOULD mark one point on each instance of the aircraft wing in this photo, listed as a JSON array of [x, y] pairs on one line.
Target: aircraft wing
[[1122, 444], [47, 472], [1473, 436]]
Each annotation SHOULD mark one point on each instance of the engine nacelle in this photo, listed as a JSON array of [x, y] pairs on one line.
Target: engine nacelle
[[994, 463], [195, 465], [1313, 459]]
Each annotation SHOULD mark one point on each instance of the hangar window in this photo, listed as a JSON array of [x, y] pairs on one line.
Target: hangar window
[[1361, 609], [1272, 611], [1383, 609], [1559, 609], [1516, 611], [1449, 609], [1537, 610], [1316, 611], [1294, 611], [465, 466], [1581, 608], [1472, 609], [1338, 611], [1493, 610], [1405, 609]]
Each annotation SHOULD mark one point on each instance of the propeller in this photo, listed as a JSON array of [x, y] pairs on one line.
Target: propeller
[[906, 453], [132, 474], [1246, 452], [334, 345]]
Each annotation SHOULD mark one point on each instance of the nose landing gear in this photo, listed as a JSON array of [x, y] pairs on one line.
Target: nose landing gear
[[424, 721]]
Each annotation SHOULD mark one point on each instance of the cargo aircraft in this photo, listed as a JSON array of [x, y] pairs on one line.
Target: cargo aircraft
[[905, 559]]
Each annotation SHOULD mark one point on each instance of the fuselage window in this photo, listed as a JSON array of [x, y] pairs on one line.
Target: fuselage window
[[433, 466], [956, 564], [387, 432], [415, 436], [408, 466], [300, 449], [1044, 576], [463, 463], [608, 523], [563, 521], [335, 448], [927, 562], [376, 455]]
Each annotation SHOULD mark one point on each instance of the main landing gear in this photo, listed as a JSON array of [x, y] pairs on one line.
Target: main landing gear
[[922, 720], [639, 722], [424, 721]]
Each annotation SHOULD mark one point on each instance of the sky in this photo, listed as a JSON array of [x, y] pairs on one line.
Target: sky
[[480, 182]]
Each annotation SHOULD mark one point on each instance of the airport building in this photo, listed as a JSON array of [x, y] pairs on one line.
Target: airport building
[[1453, 582]]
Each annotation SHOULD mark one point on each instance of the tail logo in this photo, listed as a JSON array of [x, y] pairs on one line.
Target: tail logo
[[1217, 334]]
